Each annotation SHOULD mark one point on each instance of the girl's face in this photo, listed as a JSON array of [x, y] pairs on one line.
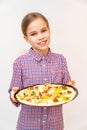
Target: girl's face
[[38, 35]]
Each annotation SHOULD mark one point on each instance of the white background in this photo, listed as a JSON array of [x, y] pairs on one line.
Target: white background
[[68, 23]]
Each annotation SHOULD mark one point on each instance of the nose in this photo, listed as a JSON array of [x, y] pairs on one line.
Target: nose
[[40, 35]]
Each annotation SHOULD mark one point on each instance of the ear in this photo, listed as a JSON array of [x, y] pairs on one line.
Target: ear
[[26, 38]]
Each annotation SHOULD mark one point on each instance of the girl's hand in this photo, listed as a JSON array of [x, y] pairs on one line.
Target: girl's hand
[[72, 82], [14, 90]]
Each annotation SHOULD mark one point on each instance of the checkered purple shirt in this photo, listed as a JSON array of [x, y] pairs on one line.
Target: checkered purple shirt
[[31, 69]]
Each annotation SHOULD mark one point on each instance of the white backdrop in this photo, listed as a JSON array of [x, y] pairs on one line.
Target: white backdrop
[[68, 23]]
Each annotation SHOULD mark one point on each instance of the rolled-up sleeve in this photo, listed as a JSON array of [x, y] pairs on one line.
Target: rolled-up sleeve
[[66, 76], [16, 80]]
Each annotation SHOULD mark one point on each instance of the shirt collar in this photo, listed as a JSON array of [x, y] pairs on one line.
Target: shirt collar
[[39, 57]]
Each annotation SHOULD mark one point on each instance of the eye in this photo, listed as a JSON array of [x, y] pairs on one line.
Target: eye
[[33, 34], [44, 30]]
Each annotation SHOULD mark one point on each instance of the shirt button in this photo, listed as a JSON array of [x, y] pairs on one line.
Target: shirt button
[[44, 121], [45, 79], [44, 65], [45, 108]]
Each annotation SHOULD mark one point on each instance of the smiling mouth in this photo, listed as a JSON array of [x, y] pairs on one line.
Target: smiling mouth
[[42, 42]]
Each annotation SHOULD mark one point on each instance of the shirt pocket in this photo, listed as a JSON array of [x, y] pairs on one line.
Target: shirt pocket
[[56, 75]]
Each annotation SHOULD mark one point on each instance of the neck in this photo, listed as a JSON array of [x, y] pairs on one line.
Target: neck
[[42, 52]]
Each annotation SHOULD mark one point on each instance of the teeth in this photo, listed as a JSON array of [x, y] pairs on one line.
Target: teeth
[[41, 42]]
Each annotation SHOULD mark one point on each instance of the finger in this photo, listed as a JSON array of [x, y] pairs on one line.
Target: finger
[[15, 89]]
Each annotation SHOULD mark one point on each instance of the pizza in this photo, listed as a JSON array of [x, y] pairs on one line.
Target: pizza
[[46, 94]]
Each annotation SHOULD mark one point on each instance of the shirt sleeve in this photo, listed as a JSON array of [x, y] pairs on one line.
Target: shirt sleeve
[[66, 75], [16, 80]]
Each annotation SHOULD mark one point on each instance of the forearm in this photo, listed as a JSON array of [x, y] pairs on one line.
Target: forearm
[[12, 97]]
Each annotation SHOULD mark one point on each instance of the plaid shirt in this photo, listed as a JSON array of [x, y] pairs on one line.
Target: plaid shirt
[[31, 69]]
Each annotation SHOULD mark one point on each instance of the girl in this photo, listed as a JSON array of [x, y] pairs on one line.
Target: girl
[[40, 65]]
